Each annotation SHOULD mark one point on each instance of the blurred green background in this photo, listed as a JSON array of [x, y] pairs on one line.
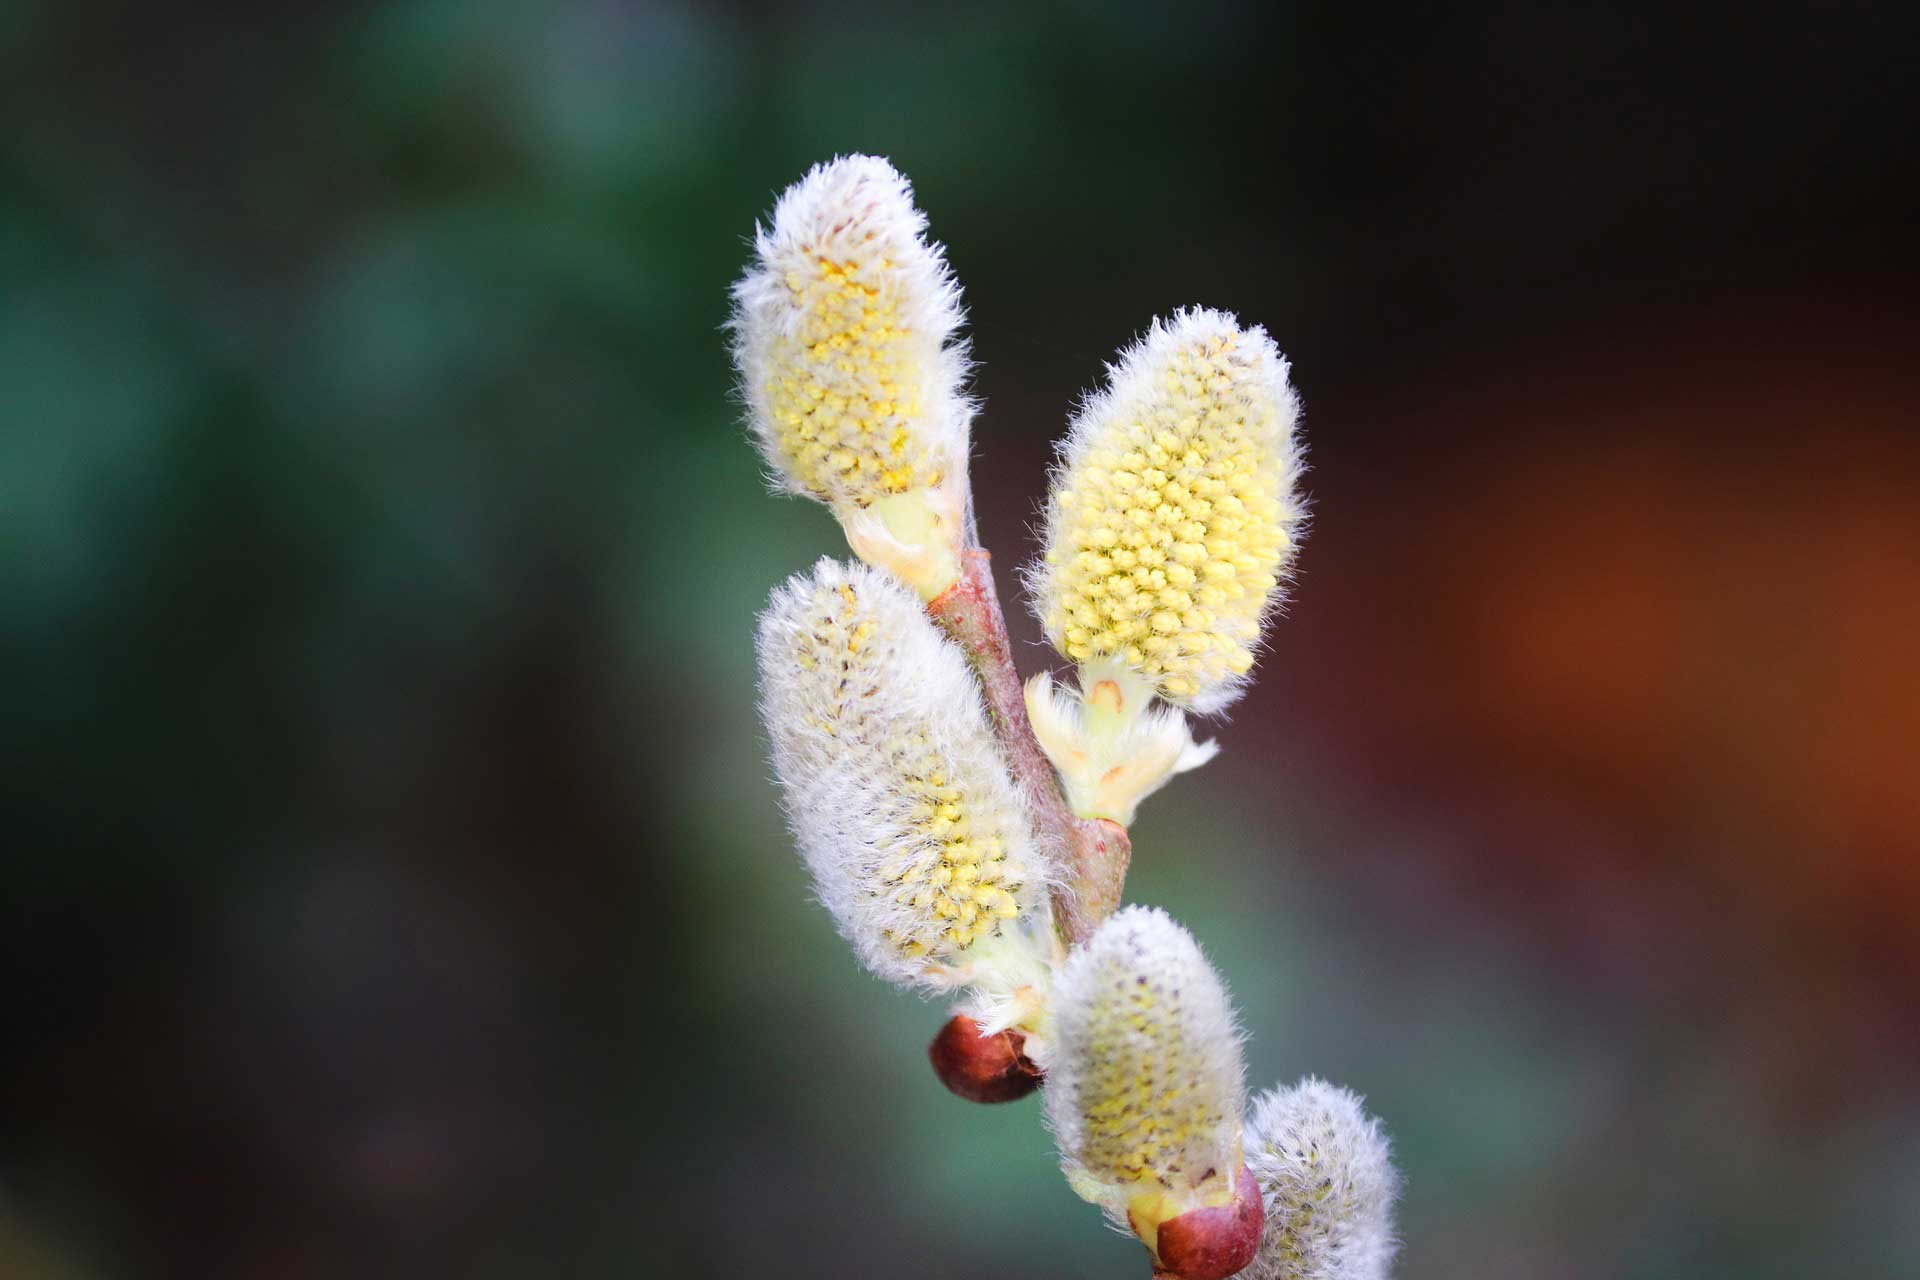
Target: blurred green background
[[394, 884]]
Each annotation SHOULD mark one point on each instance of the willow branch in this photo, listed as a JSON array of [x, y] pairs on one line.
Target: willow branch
[[1095, 850]]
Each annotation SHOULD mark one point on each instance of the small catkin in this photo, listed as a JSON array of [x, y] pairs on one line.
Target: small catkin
[[1144, 1089], [918, 842], [845, 334], [1327, 1183], [1172, 518]]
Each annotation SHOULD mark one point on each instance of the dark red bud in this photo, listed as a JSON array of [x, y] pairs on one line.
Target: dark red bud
[[982, 1068], [1212, 1244]]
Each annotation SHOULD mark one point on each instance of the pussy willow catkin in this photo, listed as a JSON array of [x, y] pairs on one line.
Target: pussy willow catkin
[[918, 841]]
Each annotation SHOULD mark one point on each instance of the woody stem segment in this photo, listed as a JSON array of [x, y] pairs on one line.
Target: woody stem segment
[[1096, 850]]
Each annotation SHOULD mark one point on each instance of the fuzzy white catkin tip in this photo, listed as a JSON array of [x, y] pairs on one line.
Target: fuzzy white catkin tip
[[845, 334], [1172, 517], [1144, 1089], [1327, 1183], [918, 842]]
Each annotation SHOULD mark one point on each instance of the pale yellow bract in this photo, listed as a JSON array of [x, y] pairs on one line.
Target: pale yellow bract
[[1172, 517]]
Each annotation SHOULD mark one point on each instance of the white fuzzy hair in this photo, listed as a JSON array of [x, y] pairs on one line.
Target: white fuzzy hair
[[895, 789], [855, 210], [1327, 1182], [1196, 395], [1145, 1085]]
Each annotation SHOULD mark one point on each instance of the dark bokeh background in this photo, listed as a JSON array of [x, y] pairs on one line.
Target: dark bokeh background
[[393, 884]]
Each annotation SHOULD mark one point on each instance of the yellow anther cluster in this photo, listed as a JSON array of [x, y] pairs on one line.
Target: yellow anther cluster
[[1143, 1113], [945, 879], [1172, 517], [844, 386], [1145, 1088], [960, 876]]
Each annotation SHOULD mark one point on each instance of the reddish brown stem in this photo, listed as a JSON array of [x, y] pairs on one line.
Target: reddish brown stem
[[1095, 850]]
